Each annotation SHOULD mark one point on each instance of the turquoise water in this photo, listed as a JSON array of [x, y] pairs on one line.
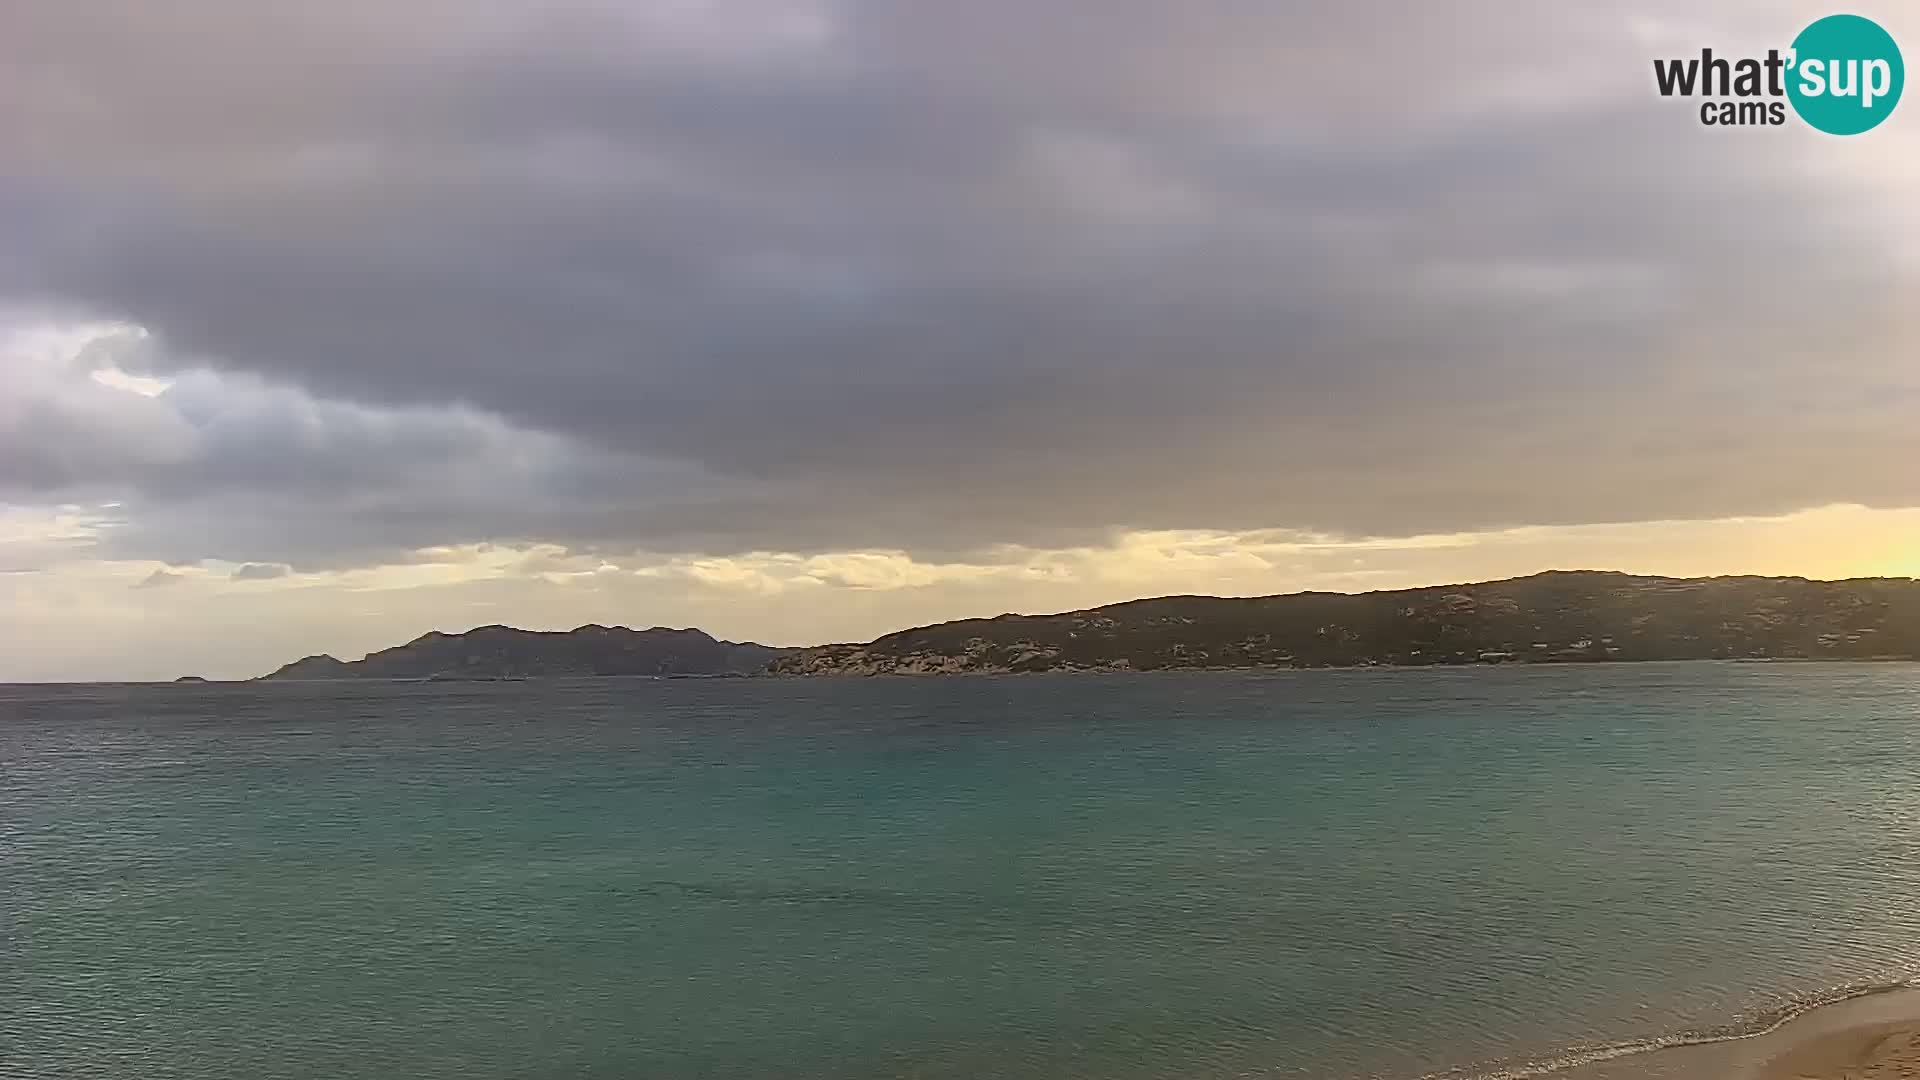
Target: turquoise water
[[1335, 874]]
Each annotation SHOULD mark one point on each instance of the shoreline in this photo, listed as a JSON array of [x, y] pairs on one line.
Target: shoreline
[[1869, 1032], [1787, 661]]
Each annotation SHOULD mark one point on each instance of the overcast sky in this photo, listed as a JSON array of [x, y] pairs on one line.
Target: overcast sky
[[323, 325]]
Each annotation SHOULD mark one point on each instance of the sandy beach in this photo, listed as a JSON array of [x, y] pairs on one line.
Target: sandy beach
[[1874, 1036], [1871, 1052]]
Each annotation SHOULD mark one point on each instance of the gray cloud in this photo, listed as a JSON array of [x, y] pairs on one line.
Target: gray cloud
[[261, 571], [228, 466], [935, 276]]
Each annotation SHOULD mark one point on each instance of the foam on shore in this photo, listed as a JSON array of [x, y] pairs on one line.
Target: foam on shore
[[1837, 1020]]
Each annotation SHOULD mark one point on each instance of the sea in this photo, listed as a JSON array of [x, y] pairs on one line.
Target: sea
[[1338, 875]]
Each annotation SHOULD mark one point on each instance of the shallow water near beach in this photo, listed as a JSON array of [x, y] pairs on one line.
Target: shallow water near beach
[[1333, 875]]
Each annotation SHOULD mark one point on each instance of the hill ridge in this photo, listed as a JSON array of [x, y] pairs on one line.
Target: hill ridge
[[497, 651], [1554, 616]]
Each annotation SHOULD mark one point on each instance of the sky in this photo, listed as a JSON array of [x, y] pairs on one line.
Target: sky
[[325, 325]]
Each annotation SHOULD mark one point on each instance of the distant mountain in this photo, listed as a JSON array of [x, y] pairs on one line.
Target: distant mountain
[[1558, 617], [498, 652], [1554, 617]]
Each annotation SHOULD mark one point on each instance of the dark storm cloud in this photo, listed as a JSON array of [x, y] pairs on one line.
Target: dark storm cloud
[[934, 275]]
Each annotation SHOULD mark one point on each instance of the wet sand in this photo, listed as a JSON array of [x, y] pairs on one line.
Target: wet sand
[[1873, 1052], [1875, 1037]]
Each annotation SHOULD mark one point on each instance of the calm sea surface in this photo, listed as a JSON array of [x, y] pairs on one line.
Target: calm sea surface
[[1324, 875]]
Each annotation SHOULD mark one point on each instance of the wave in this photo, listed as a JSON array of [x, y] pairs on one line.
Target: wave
[[1746, 1026]]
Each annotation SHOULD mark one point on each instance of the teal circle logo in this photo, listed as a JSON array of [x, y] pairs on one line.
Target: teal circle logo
[[1846, 74]]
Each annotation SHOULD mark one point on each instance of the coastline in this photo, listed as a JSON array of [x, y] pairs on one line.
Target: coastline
[[1852, 1033]]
